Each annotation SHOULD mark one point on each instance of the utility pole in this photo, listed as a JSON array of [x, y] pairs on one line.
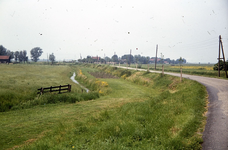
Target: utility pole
[[47, 59], [156, 56], [104, 59], [221, 47]]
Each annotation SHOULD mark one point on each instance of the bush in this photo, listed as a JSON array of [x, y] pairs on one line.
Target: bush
[[139, 66], [222, 65]]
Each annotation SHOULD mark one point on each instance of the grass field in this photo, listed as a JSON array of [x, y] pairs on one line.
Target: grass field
[[140, 111], [193, 69]]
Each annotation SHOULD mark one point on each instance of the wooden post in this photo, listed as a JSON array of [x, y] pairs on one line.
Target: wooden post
[[219, 57], [162, 70], [69, 87], [50, 89], [42, 89], [181, 75], [223, 54], [60, 89]]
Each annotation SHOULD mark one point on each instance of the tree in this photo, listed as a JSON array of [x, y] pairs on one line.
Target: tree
[[9, 53], [107, 59], [25, 58], [115, 58], [20, 56], [52, 58], [16, 55], [2, 50], [162, 59], [36, 53], [221, 65], [181, 61]]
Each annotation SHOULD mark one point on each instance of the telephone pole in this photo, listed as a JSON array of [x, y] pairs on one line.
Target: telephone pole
[[219, 58], [156, 56], [47, 59]]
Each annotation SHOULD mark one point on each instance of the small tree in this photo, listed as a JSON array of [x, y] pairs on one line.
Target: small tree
[[52, 58], [181, 62], [20, 56], [36, 53], [162, 59], [115, 58], [2, 50], [16, 55], [10, 54], [25, 58], [221, 65]]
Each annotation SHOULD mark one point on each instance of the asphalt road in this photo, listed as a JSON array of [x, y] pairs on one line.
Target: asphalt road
[[215, 135]]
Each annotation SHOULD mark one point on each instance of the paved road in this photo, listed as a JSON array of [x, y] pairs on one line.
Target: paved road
[[215, 135]]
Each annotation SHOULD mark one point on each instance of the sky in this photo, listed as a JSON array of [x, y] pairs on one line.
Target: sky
[[69, 28]]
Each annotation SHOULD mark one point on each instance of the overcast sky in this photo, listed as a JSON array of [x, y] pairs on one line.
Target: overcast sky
[[68, 28]]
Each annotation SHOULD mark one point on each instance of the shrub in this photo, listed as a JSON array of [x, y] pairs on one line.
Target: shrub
[[222, 65]]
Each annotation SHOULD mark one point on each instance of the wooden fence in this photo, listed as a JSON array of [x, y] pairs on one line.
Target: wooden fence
[[65, 88]]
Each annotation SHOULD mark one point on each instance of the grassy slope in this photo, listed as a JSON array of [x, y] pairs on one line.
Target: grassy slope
[[163, 115]]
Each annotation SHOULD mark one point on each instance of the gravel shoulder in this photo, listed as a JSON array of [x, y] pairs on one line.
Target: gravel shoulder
[[215, 135]]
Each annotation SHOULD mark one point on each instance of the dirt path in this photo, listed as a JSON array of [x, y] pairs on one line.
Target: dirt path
[[215, 135]]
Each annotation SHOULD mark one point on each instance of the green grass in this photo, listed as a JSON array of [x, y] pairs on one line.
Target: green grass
[[143, 111]]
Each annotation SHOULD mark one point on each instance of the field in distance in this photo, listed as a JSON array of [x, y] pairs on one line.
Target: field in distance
[[192, 69]]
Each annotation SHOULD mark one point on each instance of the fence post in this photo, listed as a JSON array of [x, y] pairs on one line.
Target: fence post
[[181, 75], [50, 89], [162, 70], [42, 89], [60, 89], [69, 87]]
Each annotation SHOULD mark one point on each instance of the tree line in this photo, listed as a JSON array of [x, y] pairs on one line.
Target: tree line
[[21, 56], [127, 58]]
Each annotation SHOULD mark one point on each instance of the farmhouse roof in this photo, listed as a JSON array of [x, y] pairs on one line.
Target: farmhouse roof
[[96, 58], [4, 57]]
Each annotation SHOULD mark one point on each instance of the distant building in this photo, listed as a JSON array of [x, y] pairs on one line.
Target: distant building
[[4, 59], [96, 58], [166, 62]]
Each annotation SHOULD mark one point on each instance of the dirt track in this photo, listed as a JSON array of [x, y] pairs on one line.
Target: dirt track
[[215, 136]]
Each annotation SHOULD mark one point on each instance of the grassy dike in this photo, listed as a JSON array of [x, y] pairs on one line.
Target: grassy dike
[[139, 110]]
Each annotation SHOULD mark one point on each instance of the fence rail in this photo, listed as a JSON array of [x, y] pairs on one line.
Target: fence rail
[[66, 88]]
